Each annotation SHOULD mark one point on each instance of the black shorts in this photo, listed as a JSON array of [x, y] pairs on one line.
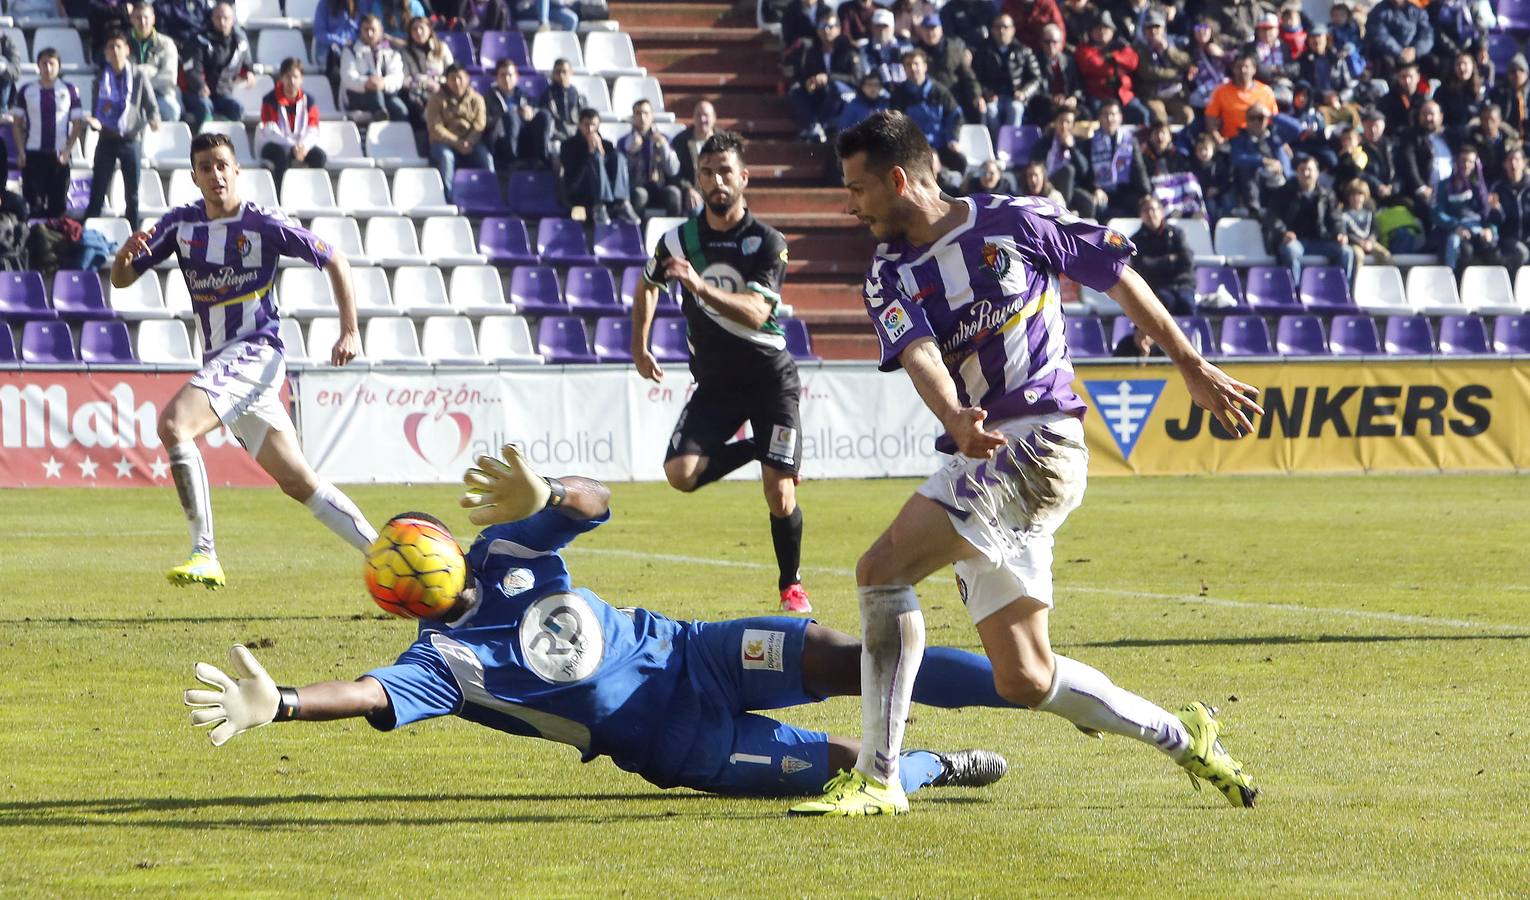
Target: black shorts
[[719, 409]]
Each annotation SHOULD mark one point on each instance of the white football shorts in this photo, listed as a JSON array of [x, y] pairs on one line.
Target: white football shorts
[[243, 383], [1011, 506]]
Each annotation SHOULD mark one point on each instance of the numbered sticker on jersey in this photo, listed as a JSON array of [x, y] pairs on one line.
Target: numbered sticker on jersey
[[561, 639], [783, 443], [761, 649]]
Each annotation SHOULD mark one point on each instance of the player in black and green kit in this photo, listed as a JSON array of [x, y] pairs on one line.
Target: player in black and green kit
[[729, 266]]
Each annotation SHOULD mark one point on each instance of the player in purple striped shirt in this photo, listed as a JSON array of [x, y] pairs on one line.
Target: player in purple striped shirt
[[963, 296], [228, 251]]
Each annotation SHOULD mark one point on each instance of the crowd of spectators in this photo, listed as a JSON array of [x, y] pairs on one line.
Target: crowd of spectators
[[1386, 129]]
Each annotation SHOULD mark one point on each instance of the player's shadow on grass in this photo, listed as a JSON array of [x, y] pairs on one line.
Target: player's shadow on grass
[[1257, 640]]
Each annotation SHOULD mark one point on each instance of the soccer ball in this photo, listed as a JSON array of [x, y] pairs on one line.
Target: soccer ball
[[415, 569]]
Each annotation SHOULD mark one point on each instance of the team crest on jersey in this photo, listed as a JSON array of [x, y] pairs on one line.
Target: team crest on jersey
[[749, 245], [761, 649], [1115, 240], [517, 581], [996, 262], [243, 246], [790, 765]]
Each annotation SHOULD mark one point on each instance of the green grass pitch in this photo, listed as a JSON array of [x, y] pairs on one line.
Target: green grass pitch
[[1367, 638]]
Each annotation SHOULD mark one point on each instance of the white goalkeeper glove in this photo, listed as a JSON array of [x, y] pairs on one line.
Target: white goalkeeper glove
[[507, 490], [250, 701]]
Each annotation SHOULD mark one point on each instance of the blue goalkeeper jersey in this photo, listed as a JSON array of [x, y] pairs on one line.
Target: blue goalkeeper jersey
[[539, 658]]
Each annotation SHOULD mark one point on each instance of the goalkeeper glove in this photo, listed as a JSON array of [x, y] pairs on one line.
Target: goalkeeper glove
[[507, 490], [250, 701]]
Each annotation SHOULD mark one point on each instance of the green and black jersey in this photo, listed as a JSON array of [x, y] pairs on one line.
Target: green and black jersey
[[751, 256]]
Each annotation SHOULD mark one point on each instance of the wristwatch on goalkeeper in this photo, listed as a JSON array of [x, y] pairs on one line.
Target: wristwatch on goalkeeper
[[556, 492]]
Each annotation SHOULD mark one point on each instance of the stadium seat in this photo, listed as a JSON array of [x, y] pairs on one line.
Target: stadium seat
[[1015, 143], [975, 144], [1353, 335], [628, 89], [237, 135], [307, 192], [164, 342], [105, 343], [614, 131], [1086, 337], [1300, 335], [476, 192], [503, 239], [797, 342], [419, 192], [305, 293], [1269, 290], [656, 228], [365, 191], [177, 295], [66, 40], [181, 189], [563, 340], [669, 301], [1487, 291], [1120, 327], [322, 335], [257, 15], [1511, 334], [1242, 242], [249, 95], [1379, 291], [420, 291], [257, 186], [1098, 302], [273, 45], [1462, 335], [391, 241], [589, 290], [32, 23], [1409, 336], [450, 242], [169, 147], [1325, 290], [390, 145], [8, 357], [373, 296], [22, 297], [114, 228], [547, 47], [534, 291], [321, 95], [667, 340], [613, 339], [47, 343], [532, 194], [506, 340], [609, 54], [619, 243], [294, 348], [341, 143], [151, 194], [460, 43], [477, 291], [1246, 336], [497, 45], [1432, 291], [342, 233], [597, 96], [561, 242], [392, 341], [449, 340], [77, 295], [1522, 288], [142, 299], [1198, 239], [1209, 278], [1198, 330], [1127, 227]]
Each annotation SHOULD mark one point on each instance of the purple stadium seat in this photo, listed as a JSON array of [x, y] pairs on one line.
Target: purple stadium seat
[[504, 239], [562, 339], [476, 191], [797, 342], [105, 342], [1198, 330], [497, 45], [560, 242], [1301, 335], [461, 45], [1409, 335], [1513, 15], [1246, 336], [613, 339], [1511, 334], [1207, 278], [7, 345], [22, 297], [534, 291], [1120, 327], [589, 290], [1463, 334], [1325, 290], [619, 244], [1086, 337], [668, 342], [533, 194], [1501, 48], [77, 295], [47, 342], [1270, 291], [1353, 335], [669, 301], [1016, 143]]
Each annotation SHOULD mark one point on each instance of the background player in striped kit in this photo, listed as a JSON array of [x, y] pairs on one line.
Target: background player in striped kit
[[48, 121], [228, 250]]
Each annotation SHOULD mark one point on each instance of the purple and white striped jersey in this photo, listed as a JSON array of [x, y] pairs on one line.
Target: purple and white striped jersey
[[48, 113], [986, 292], [230, 267]]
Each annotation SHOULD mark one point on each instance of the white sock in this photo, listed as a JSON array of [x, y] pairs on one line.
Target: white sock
[[190, 476], [341, 516], [1086, 697], [892, 645]]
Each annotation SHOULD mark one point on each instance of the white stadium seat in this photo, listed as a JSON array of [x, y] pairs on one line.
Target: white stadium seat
[[342, 146], [597, 96], [450, 241], [258, 187], [391, 145], [303, 10], [477, 290], [182, 189], [151, 193], [305, 293], [373, 296], [169, 147], [1198, 237], [249, 95], [1379, 291], [1127, 227], [1487, 291], [391, 241], [1522, 288], [547, 47], [449, 339], [293, 345], [418, 191], [308, 192], [976, 145], [320, 94], [392, 341], [143, 299], [506, 339], [656, 228], [237, 135], [628, 89], [614, 131], [276, 44], [164, 342], [71, 52], [259, 14], [1432, 291], [1242, 242], [115, 228], [344, 234], [365, 191], [420, 291], [322, 335], [177, 295], [609, 54]]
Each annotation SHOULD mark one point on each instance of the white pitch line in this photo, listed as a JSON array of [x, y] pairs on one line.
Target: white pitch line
[[1223, 602]]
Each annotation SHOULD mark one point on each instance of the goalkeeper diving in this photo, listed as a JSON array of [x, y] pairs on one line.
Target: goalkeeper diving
[[521, 650]]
